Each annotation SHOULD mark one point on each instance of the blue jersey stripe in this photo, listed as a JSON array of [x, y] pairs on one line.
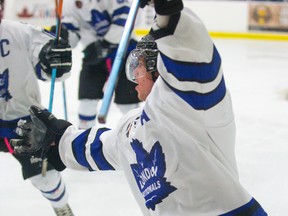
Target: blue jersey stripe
[[119, 22], [97, 153], [51, 34], [8, 132], [7, 128], [203, 101], [103, 30], [79, 149], [252, 208], [70, 26], [195, 72], [120, 11], [38, 70]]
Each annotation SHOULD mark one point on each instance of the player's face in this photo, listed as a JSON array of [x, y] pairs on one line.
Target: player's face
[[144, 81]]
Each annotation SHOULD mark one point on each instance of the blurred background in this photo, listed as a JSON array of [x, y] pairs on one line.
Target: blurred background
[[252, 37]]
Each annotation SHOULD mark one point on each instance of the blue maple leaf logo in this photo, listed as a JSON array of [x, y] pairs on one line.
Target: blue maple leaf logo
[[4, 84], [149, 174]]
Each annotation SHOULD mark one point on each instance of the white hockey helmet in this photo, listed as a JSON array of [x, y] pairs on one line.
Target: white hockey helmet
[[146, 49]]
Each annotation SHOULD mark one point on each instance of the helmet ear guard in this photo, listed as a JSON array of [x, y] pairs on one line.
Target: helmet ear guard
[[150, 57], [150, 64]]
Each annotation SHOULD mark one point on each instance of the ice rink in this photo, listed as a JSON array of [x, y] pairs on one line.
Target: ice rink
[[256, 73]]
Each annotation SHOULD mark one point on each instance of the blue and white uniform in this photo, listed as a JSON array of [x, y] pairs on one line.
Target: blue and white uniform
[[20, 70], [88, 22], [178, 150]]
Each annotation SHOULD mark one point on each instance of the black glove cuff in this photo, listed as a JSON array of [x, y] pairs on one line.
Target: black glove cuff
[[54, 158], [62, 126], [168, 7], [64, 32], [143, 3]]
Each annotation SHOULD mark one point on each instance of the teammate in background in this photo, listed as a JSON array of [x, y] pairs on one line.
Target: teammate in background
[[98, 25], [28, 53], [177, 151]]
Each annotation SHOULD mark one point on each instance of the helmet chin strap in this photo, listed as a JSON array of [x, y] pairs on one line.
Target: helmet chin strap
[[154, 75]]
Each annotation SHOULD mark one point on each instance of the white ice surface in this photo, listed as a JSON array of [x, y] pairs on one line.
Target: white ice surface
[[256, 73]]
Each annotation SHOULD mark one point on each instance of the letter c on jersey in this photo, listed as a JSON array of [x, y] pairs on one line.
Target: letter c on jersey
[[3, 44]]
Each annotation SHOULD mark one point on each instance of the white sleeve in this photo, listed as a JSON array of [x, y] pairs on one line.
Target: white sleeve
[[191, 66], [32, 39], [65, 148], [35, 39], [182, 55], [118, 11], [92, 149], [70, 19]]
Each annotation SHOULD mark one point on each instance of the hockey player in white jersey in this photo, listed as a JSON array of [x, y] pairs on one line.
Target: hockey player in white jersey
[[177, 151], [98, 26], [21, 47]]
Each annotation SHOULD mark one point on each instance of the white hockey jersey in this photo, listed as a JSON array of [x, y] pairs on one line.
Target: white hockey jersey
[[20, 45], [87, 21], [90, 20], [177, 151]]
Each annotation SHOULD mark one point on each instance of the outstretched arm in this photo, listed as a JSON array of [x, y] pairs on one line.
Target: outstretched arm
[[40, 136], [164, 7], [63, 144]]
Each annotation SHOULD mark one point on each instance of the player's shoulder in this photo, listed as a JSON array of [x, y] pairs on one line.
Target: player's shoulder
[[11, 26], [130, 117], [134, 113], [9, 23]]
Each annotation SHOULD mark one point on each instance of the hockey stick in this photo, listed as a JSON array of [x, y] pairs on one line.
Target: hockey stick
[[120, 55], [54, 71], [10, 149], [58, 30], [64, 101]]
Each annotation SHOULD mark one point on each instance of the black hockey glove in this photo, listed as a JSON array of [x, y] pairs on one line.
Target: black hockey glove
[[64, 32], [41, 134], [96, 52], [58, 56], [143, 3], [164, 7], [32, 138]]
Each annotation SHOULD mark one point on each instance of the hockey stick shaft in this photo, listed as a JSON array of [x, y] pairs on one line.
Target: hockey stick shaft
[[58, 31], [10, 149], [120, 55], [64, 101], [58, 4], [59, 15]]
